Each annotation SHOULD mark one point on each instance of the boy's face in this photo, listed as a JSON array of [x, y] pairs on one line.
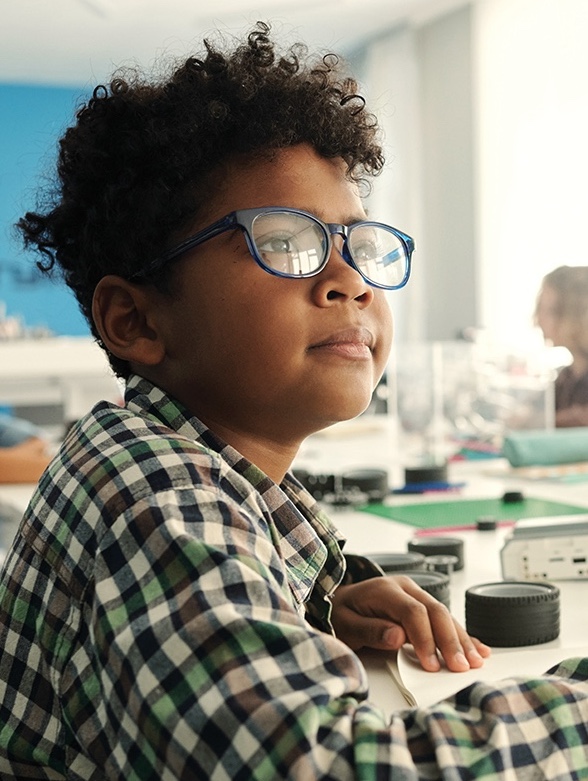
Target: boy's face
[[261, 355]]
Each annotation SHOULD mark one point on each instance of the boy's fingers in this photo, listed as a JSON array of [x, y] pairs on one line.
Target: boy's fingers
[[430, 626], [388, 612], [369, 632]]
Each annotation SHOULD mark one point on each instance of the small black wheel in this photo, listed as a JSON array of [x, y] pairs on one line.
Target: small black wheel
[[442, 562], [486, 523], [435, 546], [373, 482], [512, 613], [433, 473], [397, 562], [513, 497], [434, 583]]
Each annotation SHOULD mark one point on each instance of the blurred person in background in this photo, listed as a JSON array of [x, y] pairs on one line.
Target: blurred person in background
[[24, 451], [561, 312]]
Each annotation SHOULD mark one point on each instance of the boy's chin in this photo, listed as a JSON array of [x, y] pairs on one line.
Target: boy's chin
[[345, 413]]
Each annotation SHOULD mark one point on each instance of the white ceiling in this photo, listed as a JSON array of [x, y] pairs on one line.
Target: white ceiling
[[80, 42]]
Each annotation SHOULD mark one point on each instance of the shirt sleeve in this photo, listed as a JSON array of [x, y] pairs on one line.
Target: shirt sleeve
[[360, 568], [204, 667]]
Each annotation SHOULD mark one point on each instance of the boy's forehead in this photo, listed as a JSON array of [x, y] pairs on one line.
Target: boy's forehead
[[296, 176]]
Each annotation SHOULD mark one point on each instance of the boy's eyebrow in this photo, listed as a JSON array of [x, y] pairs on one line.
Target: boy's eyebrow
[[348, 220]]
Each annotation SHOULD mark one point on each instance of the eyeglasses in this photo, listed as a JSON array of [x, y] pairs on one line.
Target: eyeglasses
[[295, 244]]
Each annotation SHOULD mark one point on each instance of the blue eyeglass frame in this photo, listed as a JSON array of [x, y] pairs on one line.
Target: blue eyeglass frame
[[243, 219]]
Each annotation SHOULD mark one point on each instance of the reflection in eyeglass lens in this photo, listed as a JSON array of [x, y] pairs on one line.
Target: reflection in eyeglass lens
[[378, 253], [289, 243], [295, 245]]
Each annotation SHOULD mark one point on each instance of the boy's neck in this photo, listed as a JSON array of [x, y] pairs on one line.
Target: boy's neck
[[273, 458]]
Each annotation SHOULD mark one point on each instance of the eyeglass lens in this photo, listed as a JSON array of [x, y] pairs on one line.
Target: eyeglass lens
[[289, 243], [295, 245]]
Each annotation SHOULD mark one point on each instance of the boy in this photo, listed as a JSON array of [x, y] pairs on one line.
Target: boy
[[175, 606]]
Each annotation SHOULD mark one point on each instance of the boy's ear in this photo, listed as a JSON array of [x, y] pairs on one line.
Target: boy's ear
[[123, 314]]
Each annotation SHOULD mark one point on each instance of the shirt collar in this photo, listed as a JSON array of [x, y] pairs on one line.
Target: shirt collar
[[309, 543]]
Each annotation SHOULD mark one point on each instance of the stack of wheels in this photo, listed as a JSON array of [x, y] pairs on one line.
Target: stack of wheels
[[432, 545]]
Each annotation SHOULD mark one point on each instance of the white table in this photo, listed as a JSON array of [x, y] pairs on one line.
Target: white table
[[368, 533]]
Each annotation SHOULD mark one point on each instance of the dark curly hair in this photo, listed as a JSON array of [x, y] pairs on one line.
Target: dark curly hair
[[132, 172]]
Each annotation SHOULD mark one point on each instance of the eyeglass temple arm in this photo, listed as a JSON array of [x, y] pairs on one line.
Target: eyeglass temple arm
[[406, 250], [226, 223]]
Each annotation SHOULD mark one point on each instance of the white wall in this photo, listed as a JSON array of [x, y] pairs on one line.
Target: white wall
[[418, 80], [447, 174], [485, 111], [531, 98], [392, 88]]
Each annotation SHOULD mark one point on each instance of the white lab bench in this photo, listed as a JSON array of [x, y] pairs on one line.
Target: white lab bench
[[367, 533]]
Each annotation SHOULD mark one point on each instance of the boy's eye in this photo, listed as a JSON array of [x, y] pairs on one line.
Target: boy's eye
[[367, 250], [277, 244]]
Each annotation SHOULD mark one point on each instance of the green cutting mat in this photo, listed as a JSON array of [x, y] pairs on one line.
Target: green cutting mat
[[431, 515]]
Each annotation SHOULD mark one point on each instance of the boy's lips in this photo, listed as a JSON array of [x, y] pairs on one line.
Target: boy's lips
[[350, 342]]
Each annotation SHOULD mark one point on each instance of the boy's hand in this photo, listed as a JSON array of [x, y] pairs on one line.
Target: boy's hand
[[387, 612]]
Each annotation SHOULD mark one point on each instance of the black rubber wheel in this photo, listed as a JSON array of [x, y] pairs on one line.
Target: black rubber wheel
[[426, 474], [434, 583], [486, 523], [373, 482], [442, 562], [512, 613], [397, 562], [513, 497], [435, 546]]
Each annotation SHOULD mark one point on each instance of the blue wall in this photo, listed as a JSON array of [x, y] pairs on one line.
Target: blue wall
[[31, 121]]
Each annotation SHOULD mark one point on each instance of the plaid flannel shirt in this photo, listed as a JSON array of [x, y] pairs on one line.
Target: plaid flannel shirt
[[154, 624]]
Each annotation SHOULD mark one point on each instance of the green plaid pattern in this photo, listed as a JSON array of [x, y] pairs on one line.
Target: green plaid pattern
[[164, 614]]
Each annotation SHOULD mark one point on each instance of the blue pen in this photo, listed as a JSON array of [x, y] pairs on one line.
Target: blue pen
[[425, 487]]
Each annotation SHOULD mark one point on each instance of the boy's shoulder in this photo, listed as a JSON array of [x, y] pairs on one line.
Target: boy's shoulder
[[115, 463], [134, 447]]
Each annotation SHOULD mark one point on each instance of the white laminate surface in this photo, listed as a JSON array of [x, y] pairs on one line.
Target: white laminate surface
[[368, 533]]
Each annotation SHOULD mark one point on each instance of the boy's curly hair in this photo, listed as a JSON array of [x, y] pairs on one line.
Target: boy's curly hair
[[133, 170]]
